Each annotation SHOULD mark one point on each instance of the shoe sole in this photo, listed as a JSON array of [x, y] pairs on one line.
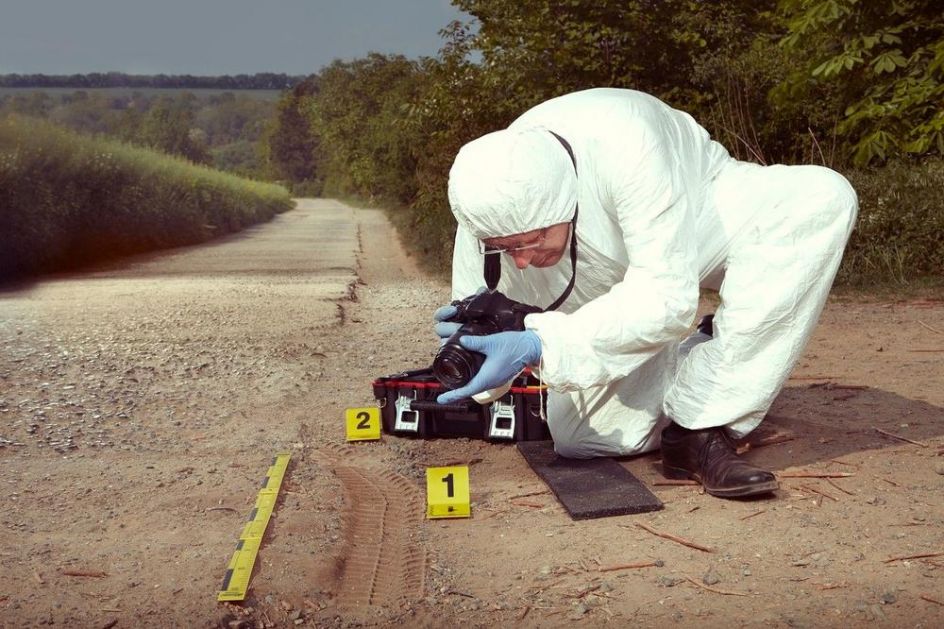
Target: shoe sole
[[744, 491]]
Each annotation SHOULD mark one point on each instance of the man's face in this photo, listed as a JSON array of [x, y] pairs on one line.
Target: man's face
[[539, 247]]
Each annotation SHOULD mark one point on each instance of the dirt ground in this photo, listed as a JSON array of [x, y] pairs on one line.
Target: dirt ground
[[141, 403]]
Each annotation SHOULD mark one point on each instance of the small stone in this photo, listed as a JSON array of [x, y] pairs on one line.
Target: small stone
[[940, 470], [746, 572], [578, 612], [710, 578], [659, 563], [889, 598], [667, 581]]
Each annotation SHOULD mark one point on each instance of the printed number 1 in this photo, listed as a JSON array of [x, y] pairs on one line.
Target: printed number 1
[[364, 424], [450, 490]]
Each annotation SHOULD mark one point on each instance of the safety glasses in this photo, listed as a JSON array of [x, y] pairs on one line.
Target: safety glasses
[[489, 249]]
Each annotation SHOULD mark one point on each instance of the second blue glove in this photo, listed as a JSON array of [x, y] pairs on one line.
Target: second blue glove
[[506, 354]]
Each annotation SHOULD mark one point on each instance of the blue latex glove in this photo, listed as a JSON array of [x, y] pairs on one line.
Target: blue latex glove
[[445, 328], [506, 354]]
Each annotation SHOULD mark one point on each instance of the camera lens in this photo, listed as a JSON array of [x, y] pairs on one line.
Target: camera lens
[[454, 365]]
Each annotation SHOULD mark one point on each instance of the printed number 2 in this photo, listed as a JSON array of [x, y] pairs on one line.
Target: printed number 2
[[450, 490], [364, 424]]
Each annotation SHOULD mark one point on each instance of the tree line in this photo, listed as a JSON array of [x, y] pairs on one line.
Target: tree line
[[257, 81], [849, 84]]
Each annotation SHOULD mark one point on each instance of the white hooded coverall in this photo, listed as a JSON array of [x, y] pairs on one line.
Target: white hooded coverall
[[663, 209]]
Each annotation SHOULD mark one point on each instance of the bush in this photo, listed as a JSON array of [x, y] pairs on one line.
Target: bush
[[67, 199], [899, 236]]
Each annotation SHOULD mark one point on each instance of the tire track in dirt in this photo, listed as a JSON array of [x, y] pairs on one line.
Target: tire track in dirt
[[383, 564]]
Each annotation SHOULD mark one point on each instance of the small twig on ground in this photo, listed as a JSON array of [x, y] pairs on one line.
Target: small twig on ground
[[815, 474], [458, 593], [715, 590], [110, 624], [890, 482], [220, 509], [921, 556], [533, 493], [582, 593], [832, 586], [674, 538], [521, 503], [524, 612], [927, 598], [673, 483], [695, 508], [811, 377], [760, 443], [110, 609], [899, 437], [98, 574], [929, 327], [833, 483], [630, 566], [462, 462], [751, 515], [841, 462], [926, 351], [817, 491]]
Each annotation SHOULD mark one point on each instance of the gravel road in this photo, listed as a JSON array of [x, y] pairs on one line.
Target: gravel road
[[141, 403]]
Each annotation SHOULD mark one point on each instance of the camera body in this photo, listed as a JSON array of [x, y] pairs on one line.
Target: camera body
[[489, 312]]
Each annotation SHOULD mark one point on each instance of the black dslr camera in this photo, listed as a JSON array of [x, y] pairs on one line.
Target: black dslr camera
[[485, 313]]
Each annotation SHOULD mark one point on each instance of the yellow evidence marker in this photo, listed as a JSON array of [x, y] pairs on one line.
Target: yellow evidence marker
[[447, 492], [363, 424]]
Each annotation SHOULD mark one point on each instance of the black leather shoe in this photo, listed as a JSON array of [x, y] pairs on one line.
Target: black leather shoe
[[709, 456]]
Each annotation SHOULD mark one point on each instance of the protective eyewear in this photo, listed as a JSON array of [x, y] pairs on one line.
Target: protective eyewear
[[489, 249]]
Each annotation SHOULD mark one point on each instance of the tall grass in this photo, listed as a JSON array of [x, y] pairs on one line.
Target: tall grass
[[899, 237], [67, 199]]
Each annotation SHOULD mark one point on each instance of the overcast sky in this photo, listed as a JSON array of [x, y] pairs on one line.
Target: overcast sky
[[211, 37]]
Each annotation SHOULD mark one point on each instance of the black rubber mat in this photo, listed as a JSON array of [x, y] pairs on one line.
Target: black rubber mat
[[589, 488]]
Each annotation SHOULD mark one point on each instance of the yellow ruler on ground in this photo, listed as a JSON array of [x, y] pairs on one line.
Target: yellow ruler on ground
[[236, 581]]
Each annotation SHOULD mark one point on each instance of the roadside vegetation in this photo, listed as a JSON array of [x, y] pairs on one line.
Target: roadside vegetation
[[852, 85], [856, 86], [225, 130], [67, 199]]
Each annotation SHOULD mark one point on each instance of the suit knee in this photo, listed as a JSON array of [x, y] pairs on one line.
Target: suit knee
[[836, 196]]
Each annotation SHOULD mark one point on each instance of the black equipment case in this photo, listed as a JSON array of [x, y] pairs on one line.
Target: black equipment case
[[408, 408]]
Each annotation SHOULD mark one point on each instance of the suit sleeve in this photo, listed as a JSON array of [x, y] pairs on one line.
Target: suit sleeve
[[655, 302]]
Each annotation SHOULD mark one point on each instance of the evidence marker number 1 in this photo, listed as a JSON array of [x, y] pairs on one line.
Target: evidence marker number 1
[[447, 492], [362, 424]]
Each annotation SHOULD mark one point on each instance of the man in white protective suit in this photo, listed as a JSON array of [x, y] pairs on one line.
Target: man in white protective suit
[[625, 206]]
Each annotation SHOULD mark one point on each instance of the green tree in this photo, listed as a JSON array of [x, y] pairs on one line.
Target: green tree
[[289, 145], [883, 61], [368, 146], [168, 126]]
